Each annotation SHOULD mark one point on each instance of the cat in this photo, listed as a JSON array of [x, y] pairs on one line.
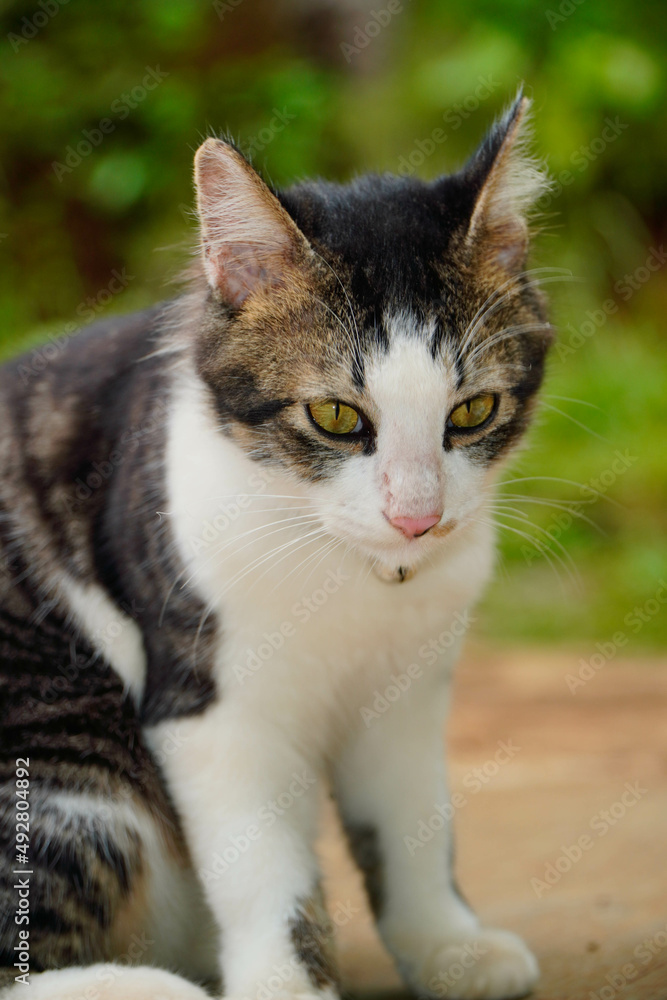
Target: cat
[[241, 534]]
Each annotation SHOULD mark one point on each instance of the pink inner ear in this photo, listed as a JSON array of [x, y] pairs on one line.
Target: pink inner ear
[[512, 246], [511, 258], [236, 270], [248, 239], [508, 242]]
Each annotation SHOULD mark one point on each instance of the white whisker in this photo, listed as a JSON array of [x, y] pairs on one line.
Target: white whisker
[[511, 331], [567, 482], [263, 559], [564, 506], [285, 523], [538, 546], [523, 519], [530, 274], [589, 430]]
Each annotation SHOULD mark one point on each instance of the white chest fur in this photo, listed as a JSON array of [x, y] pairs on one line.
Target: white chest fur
[[307, 630]]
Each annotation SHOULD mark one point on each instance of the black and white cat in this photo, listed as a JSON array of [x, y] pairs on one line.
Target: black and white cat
[[225, 524]]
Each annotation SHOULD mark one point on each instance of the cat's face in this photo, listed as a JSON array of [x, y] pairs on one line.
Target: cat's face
[[379, 342]]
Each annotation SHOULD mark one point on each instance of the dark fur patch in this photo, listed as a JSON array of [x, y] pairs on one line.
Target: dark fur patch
[[311, 937], [103, 463], [364, 844], [82, 738], [82, 446], [383, 246]]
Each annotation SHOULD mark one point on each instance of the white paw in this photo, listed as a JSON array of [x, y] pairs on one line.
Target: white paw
[[281, 994], [276, 992], [487, 965]]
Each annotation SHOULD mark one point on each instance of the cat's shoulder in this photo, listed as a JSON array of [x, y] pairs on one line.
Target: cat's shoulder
[[96, 351]]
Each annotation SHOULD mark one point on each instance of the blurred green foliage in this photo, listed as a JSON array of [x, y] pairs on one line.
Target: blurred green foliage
[[332, 90]]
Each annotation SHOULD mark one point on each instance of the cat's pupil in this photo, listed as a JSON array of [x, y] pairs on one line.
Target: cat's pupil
[[336, 410]]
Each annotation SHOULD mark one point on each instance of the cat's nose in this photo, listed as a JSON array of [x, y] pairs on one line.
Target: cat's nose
[[413, 527]]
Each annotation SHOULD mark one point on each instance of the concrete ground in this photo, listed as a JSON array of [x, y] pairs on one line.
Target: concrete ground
[[591, 772]]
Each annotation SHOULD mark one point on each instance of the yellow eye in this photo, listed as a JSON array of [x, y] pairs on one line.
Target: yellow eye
[[473, 413], [335, 417]]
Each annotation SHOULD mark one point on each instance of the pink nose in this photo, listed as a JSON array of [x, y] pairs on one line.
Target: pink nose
[[412, 527]]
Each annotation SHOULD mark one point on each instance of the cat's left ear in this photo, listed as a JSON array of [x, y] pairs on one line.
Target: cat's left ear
[[250, 244], [505, 182]]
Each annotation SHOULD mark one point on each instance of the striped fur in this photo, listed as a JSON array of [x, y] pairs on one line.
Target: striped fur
[[182, 697]]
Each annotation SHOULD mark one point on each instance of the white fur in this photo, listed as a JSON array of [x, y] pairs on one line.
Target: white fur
[[106, 981], [180, 934], [299, 709], [246, 234], [309, 636], [111, 632], [516, 181]]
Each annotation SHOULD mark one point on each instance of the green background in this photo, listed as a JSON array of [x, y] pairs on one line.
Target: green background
[[356, 98]]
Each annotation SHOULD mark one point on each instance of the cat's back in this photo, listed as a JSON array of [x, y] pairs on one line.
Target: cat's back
[[60, 393], [71, 412]]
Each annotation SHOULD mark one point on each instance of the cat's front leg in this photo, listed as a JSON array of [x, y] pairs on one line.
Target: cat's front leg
[[389, 780], [249, 803]]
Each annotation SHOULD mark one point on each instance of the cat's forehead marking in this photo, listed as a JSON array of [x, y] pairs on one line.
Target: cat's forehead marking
[[433, 334], [404, 324], [408, 370], [410, 352]]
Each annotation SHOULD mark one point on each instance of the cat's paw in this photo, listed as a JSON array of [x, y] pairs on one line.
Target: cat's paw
[[283, 994], [486, 965]]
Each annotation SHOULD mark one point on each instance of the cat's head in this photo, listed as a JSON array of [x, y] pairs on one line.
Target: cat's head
[[381, 341]]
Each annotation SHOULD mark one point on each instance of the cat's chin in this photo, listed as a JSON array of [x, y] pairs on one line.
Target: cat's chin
[[394, 574], [401, 564]]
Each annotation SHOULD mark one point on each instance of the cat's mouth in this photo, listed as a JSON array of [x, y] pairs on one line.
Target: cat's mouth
[[404, 570], [394, 556], [441, 530]]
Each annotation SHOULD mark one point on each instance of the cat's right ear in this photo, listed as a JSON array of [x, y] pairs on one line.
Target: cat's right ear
[[249, 242], [503, 182]]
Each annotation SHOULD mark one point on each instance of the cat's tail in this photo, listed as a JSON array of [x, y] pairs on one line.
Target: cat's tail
[[107, 981]]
